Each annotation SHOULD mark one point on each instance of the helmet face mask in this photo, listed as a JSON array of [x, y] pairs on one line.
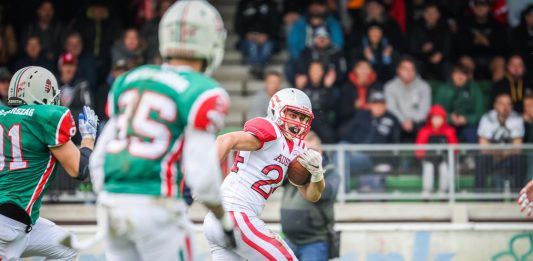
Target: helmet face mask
[[290, 109], [192, 29], [33, 85]]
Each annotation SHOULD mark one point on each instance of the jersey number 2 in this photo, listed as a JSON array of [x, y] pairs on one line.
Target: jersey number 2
[[150, 138], [17, 161]]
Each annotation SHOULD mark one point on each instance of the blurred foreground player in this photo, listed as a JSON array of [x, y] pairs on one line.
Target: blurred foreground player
[[525, 199], [265, 148], [35, 135], [161, 132]]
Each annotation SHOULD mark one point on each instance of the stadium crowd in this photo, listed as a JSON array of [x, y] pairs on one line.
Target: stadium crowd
[[409, 54]]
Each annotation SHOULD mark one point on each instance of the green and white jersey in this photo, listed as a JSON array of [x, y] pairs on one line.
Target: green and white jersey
[[26, 165], [152, 106]]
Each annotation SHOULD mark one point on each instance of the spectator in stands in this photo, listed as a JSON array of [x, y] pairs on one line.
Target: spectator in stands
[[130, 48], [516, 9], [256, 23], [497, 69], [33, 55], [308, 237], [75, 92], [301, 34], [377, 50], [501, 125], [330, 56], [408, 98], [5, 77], [86, 61], [516, 84], [292, 10], [377, 125], [319, 86], [528, 119], [8, 43], [118, 68], [49, 30], [375, 13], [463, 101], [522, 36], [482, 37], [99, 30], [149, 32], [361, 83], [429, 43], [468, 62], [436, 131], [273, 81]]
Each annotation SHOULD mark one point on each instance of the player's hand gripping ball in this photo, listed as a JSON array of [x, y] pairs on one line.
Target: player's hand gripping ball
[[297, 173]]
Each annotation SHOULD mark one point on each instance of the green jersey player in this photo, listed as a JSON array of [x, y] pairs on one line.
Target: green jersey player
[[161, 134], [34, 137]]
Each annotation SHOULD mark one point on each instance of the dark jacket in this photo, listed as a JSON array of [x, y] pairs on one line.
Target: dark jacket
[[40, 61], [324, 101], [365, 129], [495, 33], [467, 101], [259, 16], [353, 90], [305, 222], [516, 88], [51, 39]]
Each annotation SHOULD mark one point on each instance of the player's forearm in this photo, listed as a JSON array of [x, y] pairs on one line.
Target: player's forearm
[[87, 143], [313, 191], [224, 145]]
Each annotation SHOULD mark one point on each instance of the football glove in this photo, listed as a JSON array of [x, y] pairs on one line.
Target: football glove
[[312, 161], [524, 199], [229, 231], [88, 121]]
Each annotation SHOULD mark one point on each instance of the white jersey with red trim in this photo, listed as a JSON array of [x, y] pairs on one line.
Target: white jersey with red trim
[[255, 175]]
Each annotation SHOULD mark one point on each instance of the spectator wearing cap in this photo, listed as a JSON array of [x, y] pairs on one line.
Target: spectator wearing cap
[[375, 13], [377, 125], [435, 131], [130, 48], [323, 51], [408, 98], [500, 125], [429, 43], [33, 55], [515, 83], [5, 77], [256, 23], [49, 30], [75, 92], [118, 68], [464, 102], [354, 94], [319, 87], [376, 49], [301, 35], [149, 32], [273, 83], [482, 37], [98, 29], [86, 61], [522, 36]]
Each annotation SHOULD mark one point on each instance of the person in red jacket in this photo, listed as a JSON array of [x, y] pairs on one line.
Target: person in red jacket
[[436, 131]]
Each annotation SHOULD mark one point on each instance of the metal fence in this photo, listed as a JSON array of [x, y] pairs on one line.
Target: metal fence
[[400, 173]]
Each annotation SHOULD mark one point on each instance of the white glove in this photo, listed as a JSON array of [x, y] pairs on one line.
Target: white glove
[[524, 199], [312, 161], [87, 122]]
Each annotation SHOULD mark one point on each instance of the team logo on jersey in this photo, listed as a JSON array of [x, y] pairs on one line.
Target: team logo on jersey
[[282, 159], [48, 85]]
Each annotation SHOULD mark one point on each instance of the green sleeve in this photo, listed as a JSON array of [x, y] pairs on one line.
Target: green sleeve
[[442, 98], [479, 105]]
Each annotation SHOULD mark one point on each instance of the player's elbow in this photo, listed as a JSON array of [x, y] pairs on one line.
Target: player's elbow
[[315, 197]]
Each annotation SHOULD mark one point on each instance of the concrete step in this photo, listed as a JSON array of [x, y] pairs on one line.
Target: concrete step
[[233, 87], [232, 56]]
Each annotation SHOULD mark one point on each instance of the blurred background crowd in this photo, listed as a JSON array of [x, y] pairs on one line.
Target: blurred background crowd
[[376, 71]]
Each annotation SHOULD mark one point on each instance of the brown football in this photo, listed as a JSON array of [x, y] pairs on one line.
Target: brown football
[[297, 173]]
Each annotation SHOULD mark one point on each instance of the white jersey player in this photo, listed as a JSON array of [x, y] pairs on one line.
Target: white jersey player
[[525, 199], [265, 148]]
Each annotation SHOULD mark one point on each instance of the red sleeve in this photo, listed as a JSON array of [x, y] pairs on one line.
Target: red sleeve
[[67, 129], [262, 129], [421, 139], [210, 112], [451, 135]]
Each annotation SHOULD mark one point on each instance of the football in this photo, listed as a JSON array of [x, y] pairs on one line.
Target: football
[[297, 173]]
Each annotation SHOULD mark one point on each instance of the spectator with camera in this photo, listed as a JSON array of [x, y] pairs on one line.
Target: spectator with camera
[[311, 238], [464, 102], [408, 98]]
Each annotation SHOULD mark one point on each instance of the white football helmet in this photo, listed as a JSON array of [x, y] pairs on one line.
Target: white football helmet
[[33, 85], [193, 29], [291, 100]]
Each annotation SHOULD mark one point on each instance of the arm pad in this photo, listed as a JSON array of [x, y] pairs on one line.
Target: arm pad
[[83, 169]]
